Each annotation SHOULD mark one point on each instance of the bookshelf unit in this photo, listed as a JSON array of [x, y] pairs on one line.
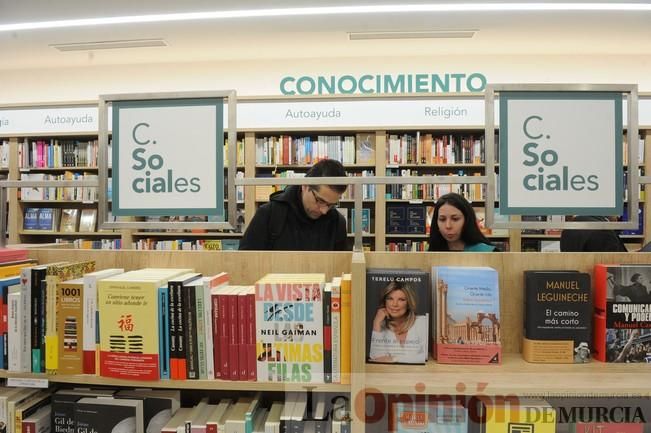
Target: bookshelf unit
[[384, 119], [370, 382]]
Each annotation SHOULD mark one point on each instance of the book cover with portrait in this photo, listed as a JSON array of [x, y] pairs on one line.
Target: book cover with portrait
[[622, 313], [397, 316], [468, 320]]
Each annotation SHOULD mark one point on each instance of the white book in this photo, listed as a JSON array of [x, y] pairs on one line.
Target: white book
[[90, 318], [40, 420], [7, 394], [218, 412], [235, 420], [335, 327], [19, 357], [15, 400], [298, 411], [272, 423]]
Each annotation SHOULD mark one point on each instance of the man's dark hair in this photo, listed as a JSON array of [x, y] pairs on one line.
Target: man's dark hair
[[329, 168]]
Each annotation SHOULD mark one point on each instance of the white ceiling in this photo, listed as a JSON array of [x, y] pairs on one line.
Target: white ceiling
[[306, 37]]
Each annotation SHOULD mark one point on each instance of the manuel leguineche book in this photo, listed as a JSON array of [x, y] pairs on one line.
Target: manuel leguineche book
[[467, 315], [397, 316], [557, 317]]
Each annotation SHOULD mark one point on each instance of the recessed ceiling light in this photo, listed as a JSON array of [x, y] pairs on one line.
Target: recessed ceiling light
[[109, 45], [433, 34], [478, 7]]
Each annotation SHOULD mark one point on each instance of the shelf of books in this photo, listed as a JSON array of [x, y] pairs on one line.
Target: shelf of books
[[372, 139], [564, 328]]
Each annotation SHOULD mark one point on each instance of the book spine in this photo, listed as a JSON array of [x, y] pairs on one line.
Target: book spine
[[327, 336], [208, 331], [201, 331], [251, 355], [190, 333], [163, 332], [233, 337], [216, 335], [243, 365], [224, 330], [173, 337], [89, 325], [181, 329], [335, 328], [346, 290], [35, 297]]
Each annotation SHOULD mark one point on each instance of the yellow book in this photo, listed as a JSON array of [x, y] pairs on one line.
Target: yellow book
[[128, 323], [14, 269], [346, 292], [54, 274], [523, 415], [70, 326]]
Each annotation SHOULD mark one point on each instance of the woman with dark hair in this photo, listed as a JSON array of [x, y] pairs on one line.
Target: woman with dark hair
[[454, 227]]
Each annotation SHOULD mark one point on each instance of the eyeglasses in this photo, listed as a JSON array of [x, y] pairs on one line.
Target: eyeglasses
[[321, 202]]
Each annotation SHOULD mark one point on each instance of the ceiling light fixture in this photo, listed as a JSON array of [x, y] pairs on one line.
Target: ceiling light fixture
[[433, 34], [108, 45], [330, 10]]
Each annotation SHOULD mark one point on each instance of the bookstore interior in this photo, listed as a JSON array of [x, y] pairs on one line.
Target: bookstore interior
[[137, 142]]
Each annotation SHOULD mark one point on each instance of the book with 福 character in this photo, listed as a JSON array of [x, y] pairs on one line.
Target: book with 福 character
[[289, 328], [128, 323]]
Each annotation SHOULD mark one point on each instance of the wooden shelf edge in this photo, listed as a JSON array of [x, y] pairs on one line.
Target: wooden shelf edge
[[86, 379]]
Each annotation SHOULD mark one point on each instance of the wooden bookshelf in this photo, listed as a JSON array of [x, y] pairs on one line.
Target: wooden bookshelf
[[513, 377]]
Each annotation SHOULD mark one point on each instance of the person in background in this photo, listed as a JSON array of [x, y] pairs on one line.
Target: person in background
[[301, 217], [454, 227], [579, 240]]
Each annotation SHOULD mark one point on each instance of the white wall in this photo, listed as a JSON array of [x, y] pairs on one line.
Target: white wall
[[263, 77]]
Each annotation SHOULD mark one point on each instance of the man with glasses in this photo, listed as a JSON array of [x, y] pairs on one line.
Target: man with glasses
[[301, 217]]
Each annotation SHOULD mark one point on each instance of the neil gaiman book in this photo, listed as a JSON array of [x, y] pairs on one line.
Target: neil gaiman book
[[557, 317], [397, 316]]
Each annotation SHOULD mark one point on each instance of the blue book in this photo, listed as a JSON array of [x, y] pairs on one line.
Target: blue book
[[46, 219], [30, 220], [163, 333]]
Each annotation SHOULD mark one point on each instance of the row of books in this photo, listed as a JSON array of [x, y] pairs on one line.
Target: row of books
[[472, 192], [174, 323], [432, 149], [55, 153], [563, 323], [54, 193], [186, 244], [287, 150], [62, 220]]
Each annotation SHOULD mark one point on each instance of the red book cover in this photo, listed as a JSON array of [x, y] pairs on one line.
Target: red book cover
[[233, 336], [622, 313], [251, 355], [216, 333], [242, 334], [610, 427], [224, 330]]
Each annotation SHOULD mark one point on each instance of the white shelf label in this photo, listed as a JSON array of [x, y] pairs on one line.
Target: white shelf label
[[23, 382]]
